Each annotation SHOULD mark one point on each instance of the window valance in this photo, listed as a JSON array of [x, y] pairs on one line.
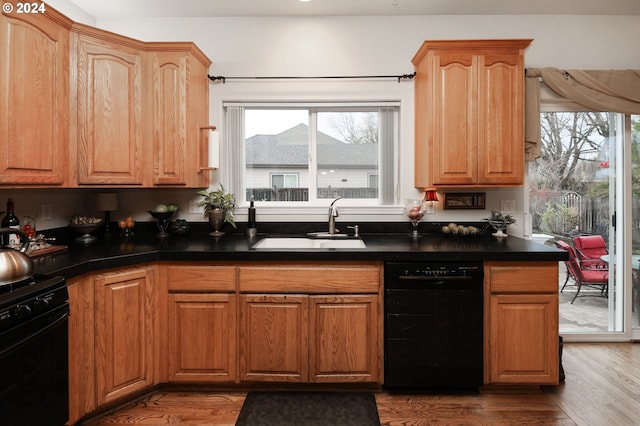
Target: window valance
[[600, 90]]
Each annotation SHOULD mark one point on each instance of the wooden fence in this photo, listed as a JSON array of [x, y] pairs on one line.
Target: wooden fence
[[302, 194], [568, 213]]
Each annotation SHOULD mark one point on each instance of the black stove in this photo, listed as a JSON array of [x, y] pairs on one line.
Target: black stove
[[29, 298], [9, 288], [34, 366]]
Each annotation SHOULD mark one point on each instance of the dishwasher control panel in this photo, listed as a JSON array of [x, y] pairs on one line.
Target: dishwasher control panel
[[441, 269]]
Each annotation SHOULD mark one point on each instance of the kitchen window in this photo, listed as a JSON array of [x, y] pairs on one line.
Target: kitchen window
[[309, 154]]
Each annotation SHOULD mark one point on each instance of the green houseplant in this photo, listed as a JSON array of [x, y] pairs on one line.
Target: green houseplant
[[219, 206]]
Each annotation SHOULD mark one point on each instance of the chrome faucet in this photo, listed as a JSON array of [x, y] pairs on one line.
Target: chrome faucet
[[333, 213]]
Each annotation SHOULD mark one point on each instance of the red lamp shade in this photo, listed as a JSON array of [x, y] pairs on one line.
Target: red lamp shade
[[431, 195]]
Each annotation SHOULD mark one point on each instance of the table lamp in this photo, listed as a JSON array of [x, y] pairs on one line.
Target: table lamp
[[430, 197], [107, 202]]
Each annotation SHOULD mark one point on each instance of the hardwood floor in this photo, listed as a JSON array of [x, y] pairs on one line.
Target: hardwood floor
[[602, 387]]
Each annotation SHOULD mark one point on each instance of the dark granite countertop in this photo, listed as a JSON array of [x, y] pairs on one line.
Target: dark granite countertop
[[112, 251]]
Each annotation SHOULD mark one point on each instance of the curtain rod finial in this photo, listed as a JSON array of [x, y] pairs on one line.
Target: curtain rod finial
[[217, 77]]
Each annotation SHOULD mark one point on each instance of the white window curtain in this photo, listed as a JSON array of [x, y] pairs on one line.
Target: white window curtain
[[234, 129], [387, 175], [600, 90]]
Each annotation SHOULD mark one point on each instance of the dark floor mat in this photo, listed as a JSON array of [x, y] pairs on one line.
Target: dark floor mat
[[309, 409]]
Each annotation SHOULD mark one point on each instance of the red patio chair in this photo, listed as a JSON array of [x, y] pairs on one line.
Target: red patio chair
[[590, 249], [589, 276]]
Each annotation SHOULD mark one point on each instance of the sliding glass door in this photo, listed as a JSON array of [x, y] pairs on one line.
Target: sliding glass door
[[632, 139], [587, 182]]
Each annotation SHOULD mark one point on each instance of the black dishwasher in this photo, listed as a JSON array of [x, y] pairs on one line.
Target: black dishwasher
[[433, 325]]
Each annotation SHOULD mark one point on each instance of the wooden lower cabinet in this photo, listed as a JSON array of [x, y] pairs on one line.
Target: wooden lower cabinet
[[111, 337], [521, 322], [124, 333], [201, 337], [82, 395], [274, 338], [343, 339], [310, 322], [198, 315]]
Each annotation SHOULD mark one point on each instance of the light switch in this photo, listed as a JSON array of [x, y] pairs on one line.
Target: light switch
[[45, 212], [508, 206]]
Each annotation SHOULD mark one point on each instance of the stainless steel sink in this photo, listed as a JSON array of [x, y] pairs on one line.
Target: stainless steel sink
[[307, 243]]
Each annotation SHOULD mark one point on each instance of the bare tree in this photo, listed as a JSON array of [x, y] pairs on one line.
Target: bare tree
[[571, 143], [356, 128]]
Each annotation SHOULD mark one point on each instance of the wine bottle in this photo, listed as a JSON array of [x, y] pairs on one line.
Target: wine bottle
[[10, 220], [251, 222]]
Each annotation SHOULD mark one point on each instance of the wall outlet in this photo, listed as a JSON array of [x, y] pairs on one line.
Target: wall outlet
[[45, 212]]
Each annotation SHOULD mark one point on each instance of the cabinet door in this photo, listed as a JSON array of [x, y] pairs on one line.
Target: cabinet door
[[180, 108], [82, 384], [524, 338], [344, 340], [453, 122], [169, 119], [469, 113], [202, 337], [124, 333], [109, 113], [521, 322], [274, 338], [501, 119], [34, 99]]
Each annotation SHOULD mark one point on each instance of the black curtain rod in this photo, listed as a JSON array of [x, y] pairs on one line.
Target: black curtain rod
[[215, 78]]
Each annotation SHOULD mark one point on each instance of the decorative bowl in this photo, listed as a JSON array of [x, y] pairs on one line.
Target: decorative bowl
[[85, 230], [163, 221], [500, 226], [161, 215]]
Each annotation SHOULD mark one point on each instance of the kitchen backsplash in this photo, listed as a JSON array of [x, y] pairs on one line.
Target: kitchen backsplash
[[62, 204]]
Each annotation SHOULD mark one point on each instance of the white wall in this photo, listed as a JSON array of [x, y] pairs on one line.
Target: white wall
[[317, 46]]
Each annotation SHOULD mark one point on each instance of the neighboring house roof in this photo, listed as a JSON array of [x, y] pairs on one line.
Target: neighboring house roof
[[290, 149]]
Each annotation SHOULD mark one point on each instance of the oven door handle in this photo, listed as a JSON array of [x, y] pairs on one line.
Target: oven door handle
[[61, 318]]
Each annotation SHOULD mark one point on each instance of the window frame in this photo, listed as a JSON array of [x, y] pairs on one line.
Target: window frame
[[284, 178], [237, 154]]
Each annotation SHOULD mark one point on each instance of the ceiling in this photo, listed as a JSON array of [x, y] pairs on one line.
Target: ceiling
[[220, 8]]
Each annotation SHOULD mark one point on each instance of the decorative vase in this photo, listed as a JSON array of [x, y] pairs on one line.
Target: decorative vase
[[500, 228], [216, 219]]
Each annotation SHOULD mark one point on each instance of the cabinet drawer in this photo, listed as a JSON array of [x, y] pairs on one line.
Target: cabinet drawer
[[201, 278], [309, 279], [522, 277]]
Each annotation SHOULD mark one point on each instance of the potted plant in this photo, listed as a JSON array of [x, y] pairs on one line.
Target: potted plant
[[500, 222], [219, 206]]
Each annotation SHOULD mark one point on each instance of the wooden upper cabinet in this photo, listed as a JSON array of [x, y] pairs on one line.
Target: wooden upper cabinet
[[469, 106], [82, 106], [109, 112], [140, 107], [180, 90], [34, 98]]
